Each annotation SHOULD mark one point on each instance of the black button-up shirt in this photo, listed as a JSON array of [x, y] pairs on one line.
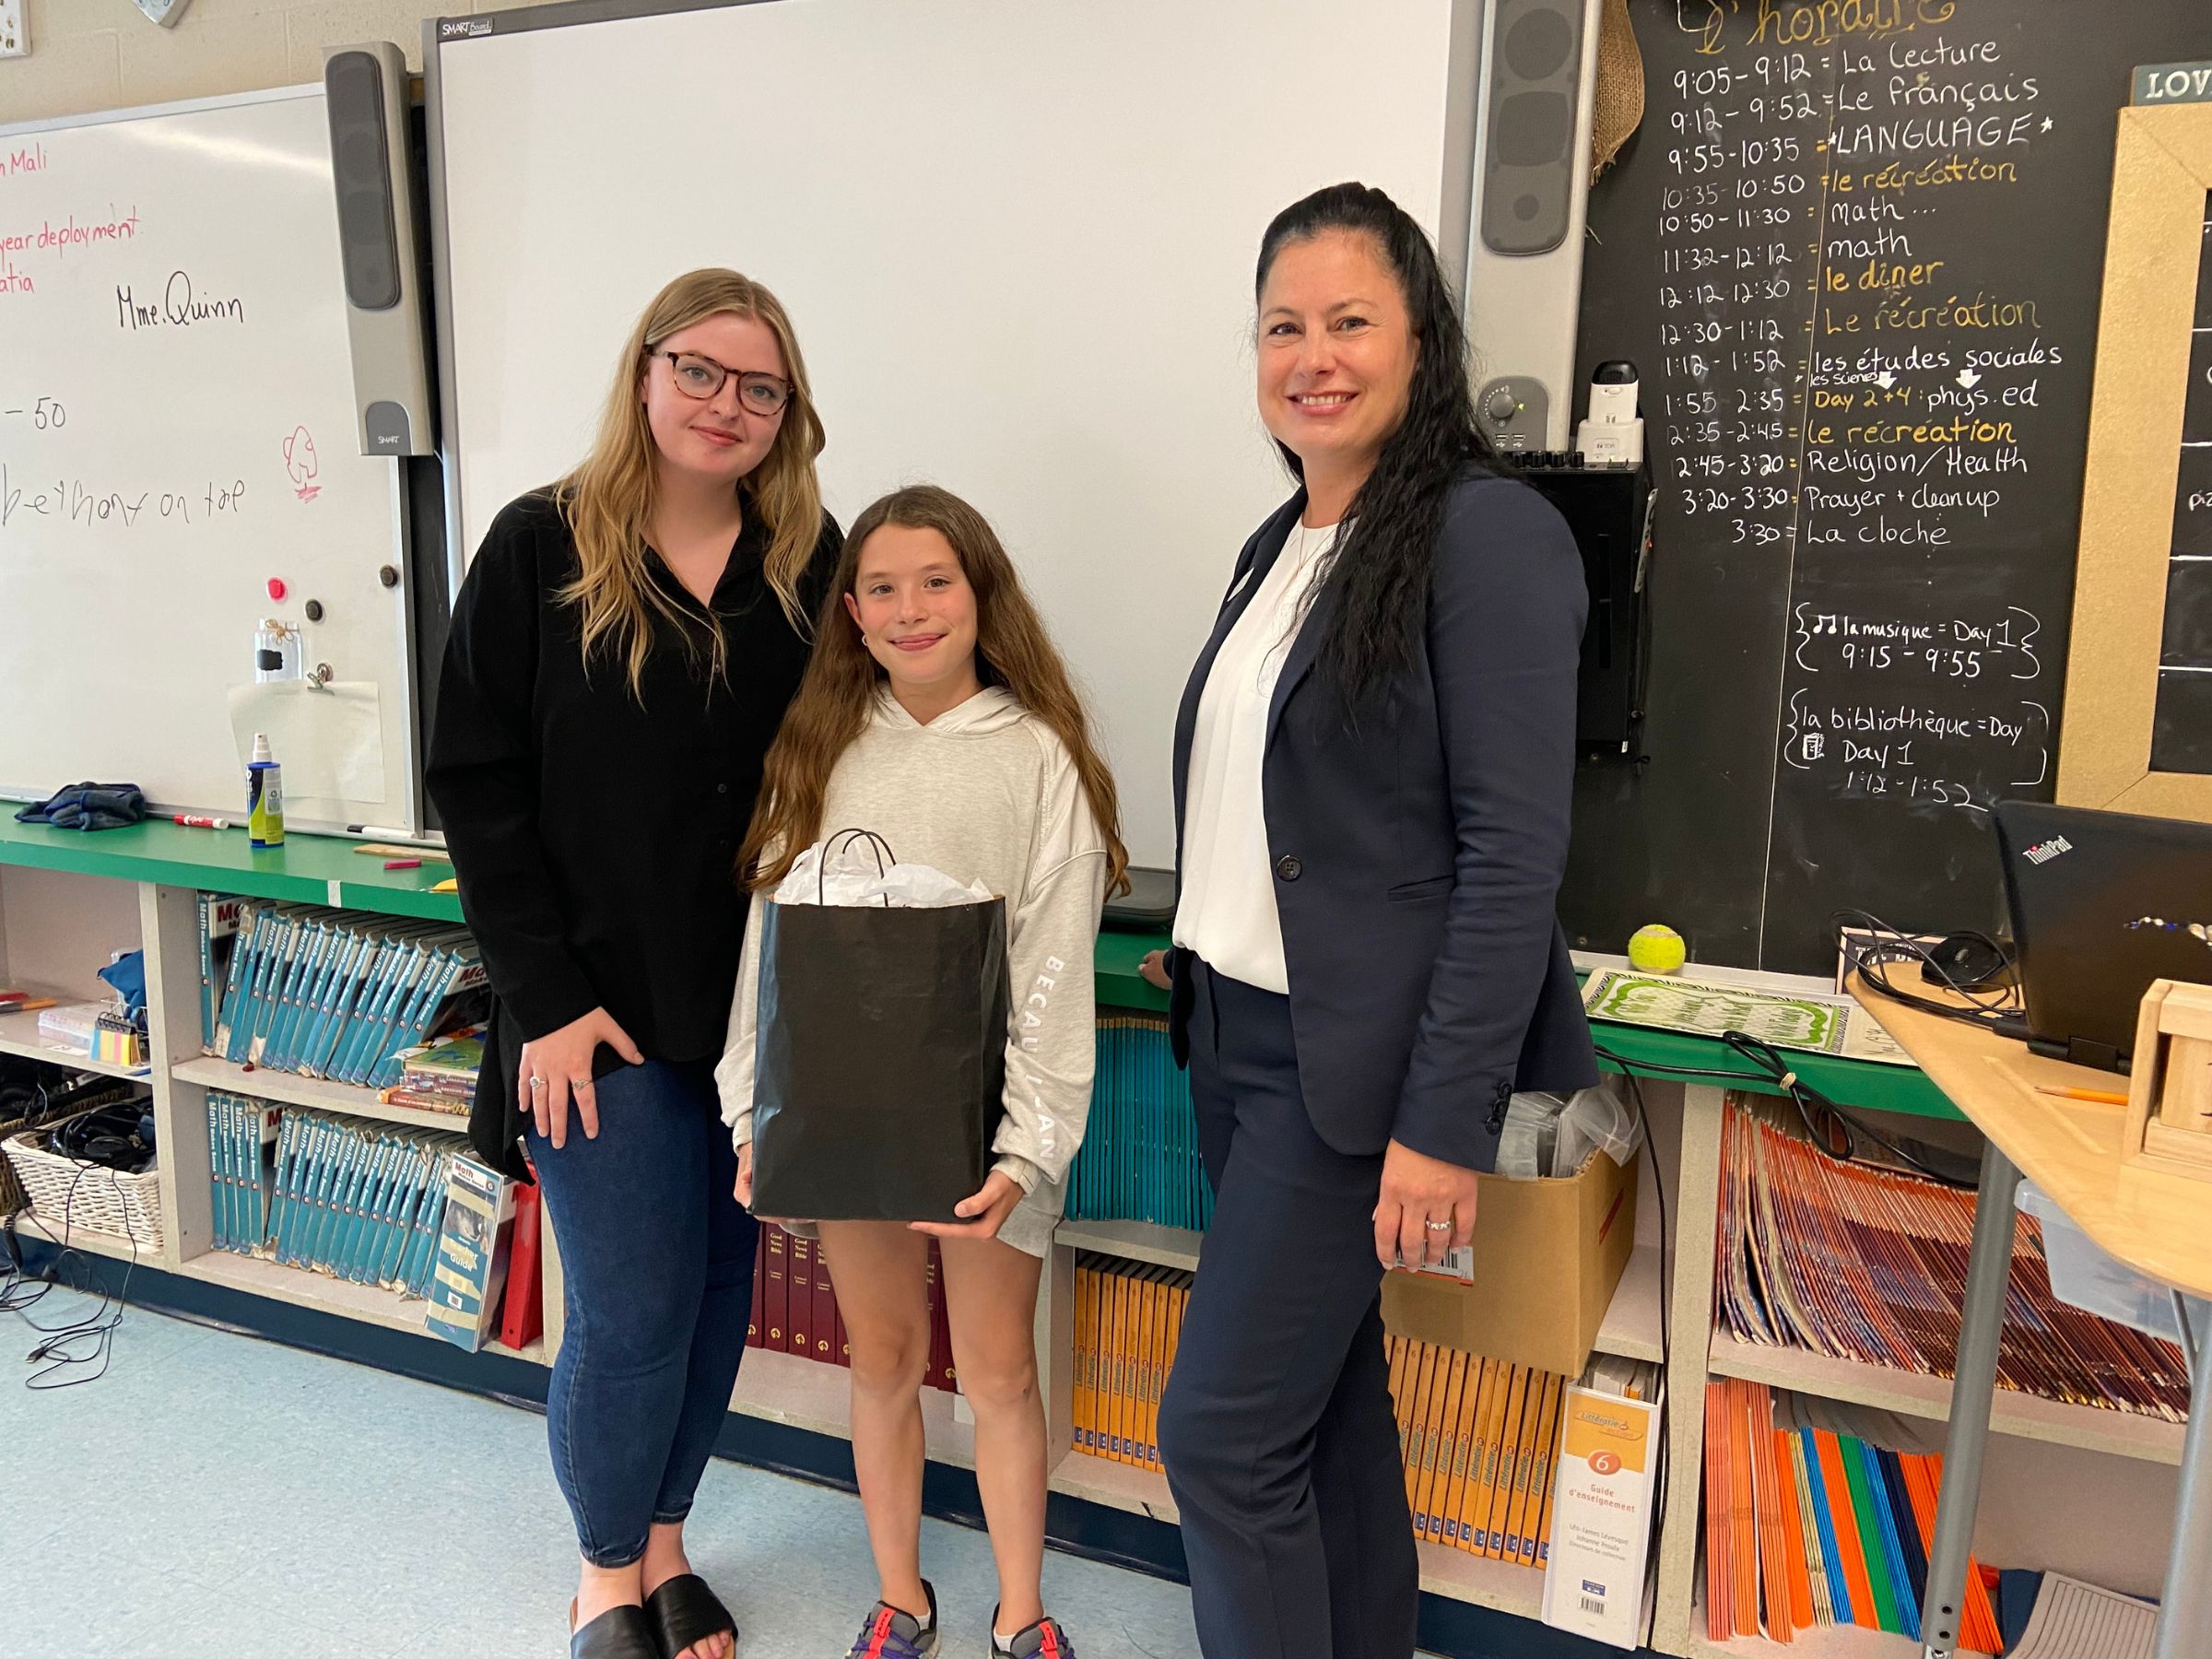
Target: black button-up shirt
[[593, 830]]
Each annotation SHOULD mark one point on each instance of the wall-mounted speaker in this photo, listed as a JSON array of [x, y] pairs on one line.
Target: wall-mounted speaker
[[365, 91], [1536, 76]]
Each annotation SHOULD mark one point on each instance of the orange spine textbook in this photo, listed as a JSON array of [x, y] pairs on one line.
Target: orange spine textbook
[[1085, 1357], [1501, 1471], [1416, 1418], [1117, 1375], [1791, 1530], [1178, 1298], [1462, 1442], [1543, 1444], [1518, 1529], [1720, 1546], [1436, 1462], [1142, 1292], [1767, 1503], [1155, 1361]]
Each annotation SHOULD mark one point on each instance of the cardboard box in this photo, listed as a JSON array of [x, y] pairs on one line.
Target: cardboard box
[[1546, 1255]]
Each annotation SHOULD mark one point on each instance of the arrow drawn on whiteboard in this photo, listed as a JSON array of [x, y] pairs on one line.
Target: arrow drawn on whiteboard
[[301, 465], [1967, 377], [1884, 379]]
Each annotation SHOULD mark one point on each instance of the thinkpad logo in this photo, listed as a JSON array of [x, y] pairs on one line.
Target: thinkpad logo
[[2044, 851]]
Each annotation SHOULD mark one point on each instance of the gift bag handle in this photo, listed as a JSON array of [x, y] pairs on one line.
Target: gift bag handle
[[836, 844]]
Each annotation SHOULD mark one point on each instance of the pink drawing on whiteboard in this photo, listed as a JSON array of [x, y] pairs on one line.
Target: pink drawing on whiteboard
[[301, 463]]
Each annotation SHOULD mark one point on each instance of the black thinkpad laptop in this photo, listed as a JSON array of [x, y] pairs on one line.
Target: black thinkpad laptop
[[2103, 903]]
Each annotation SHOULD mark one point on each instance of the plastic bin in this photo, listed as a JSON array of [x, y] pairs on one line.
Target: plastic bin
[[2084, 1274]]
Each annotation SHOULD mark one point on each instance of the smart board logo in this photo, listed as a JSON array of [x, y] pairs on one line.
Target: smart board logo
[[2044, 851], [460, 29]]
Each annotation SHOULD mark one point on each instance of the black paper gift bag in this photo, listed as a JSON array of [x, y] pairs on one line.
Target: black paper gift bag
[[881, 1060]]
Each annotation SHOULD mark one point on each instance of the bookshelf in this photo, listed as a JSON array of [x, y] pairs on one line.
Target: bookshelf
[[1829, 1642], [289, 1088], [2029, 1416], [66, 900], [19, 1035]]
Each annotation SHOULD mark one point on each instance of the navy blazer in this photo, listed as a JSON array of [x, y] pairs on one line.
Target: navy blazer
[[1417, 858]]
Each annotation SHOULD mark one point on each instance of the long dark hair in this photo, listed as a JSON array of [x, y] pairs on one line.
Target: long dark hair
[[1377, 582], [1012, 649]]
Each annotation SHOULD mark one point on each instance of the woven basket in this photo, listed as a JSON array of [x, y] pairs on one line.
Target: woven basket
[[65, 1194], [11, 1190]]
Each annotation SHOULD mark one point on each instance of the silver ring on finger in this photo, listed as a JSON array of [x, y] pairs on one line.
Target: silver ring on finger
[[577, 1083], [1445, 1226], [536, 1084]]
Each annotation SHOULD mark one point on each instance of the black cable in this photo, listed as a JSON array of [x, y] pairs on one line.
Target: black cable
[[1661, 1466], [62, 1347], [1996, 1011], [1835, 1132]]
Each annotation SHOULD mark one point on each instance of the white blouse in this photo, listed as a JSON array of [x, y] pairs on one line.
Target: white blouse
[[1226, 913]]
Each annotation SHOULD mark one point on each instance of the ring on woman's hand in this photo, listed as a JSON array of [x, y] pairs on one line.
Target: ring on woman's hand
[[1439, 1226], [536, 1084], [577, 1083]]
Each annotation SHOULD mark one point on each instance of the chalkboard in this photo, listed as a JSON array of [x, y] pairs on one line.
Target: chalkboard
[[2181, 738], [1855, 250], [176, 432]]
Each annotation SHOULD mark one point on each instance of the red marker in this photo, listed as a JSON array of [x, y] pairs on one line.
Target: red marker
[[192, 822], [403, 863]]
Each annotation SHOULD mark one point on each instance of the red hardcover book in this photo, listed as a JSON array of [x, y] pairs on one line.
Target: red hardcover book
[[823, 1330], [752, 1312], [799, 1322], [775, 1305], [523, 1319], [938, 1341]]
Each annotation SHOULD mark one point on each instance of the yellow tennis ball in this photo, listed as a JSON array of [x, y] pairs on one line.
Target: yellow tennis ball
[[1657, 948]]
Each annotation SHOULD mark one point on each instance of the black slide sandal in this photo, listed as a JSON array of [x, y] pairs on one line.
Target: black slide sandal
[[617, 1633], [684, 1610]]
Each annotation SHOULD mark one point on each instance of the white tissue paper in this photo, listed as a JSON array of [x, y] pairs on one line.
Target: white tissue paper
[[853, 879]]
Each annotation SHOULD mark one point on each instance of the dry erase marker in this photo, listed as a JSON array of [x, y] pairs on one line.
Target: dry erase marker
[[378, 832], [192, 822]]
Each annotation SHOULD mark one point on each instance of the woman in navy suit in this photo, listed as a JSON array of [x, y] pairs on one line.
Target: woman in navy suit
[[1374, 764]]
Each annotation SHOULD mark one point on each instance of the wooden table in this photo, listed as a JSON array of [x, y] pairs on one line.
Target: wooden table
[[2157, 1224]]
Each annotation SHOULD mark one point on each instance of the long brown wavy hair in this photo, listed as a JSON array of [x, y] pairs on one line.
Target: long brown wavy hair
[[1012, 649], [608, 499]]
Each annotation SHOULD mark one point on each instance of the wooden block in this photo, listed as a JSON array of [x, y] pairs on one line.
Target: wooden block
[[2170, 1091], [2184, 1145]]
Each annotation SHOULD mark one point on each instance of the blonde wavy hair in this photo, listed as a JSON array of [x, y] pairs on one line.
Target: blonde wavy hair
[[608, 499]]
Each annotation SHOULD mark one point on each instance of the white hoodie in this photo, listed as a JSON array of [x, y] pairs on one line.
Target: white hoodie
[[984, 792]]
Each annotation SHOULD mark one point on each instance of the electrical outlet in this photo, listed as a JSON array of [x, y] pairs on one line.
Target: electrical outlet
[[164, 12], [15, 29]]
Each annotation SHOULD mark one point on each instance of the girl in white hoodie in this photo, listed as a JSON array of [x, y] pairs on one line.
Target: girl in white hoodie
[[937, 713]]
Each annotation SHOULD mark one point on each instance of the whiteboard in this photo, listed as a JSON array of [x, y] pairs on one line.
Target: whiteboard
[[1017, 242], [176, 429]]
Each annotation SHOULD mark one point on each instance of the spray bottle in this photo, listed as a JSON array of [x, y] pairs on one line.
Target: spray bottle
[[264, 796]]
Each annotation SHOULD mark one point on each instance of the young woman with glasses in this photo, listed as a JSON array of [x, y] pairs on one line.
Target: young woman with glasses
[[621, 656]]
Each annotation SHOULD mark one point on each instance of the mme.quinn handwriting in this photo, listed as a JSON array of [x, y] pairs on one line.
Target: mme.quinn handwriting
[[178, 305]]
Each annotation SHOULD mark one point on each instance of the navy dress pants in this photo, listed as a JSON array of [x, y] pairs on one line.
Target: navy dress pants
[[1280, 1441]]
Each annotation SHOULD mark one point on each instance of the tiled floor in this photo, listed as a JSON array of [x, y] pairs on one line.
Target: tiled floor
[[214, 1495]]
